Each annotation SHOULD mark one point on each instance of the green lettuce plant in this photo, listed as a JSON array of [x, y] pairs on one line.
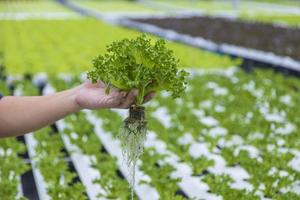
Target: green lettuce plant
[[147, 67]]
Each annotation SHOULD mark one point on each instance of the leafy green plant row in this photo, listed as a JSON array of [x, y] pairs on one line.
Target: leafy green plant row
[[50, 160], [78, 124], [12, 166], [247, 11], [183, 124], [33, 46], [231, 110], [255, 110], [31, 6], [81, 134], [276, 18], [152, 162], [186, 123], [3, 87], [115, 6], [239, 112]]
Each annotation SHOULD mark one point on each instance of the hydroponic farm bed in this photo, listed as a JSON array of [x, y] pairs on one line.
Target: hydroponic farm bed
[[271, 17], [114, 6], [280, 40], [23, 49], [279, 12], [232, 136], [31, 7]]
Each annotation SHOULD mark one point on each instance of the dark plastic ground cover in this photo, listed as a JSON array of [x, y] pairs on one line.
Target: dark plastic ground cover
[[282, 41]]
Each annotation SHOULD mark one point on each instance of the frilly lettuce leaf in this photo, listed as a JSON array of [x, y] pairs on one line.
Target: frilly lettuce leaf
[[138, 64]]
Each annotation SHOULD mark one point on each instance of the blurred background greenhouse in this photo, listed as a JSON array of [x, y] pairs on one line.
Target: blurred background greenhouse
[[234, 134]]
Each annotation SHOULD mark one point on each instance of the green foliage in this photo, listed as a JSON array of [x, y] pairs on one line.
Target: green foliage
[[27, 88], [137, 64], [11, 167], [114, 186], [272, 17], [236, 104], [81, 134], [160, 174], [50, 158], [31, 6], [74, 43], [220, 185], [3, 88], [115, 6], [248, 11]]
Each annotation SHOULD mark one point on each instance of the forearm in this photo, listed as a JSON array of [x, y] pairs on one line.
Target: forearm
[[19, 115]]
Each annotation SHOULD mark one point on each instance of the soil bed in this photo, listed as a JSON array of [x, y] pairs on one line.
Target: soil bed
[[282, 41]]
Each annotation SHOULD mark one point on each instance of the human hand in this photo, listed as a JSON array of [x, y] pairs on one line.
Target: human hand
[[93, 96]]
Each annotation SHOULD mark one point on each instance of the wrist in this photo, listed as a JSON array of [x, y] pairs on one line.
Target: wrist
[[72, 99]]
